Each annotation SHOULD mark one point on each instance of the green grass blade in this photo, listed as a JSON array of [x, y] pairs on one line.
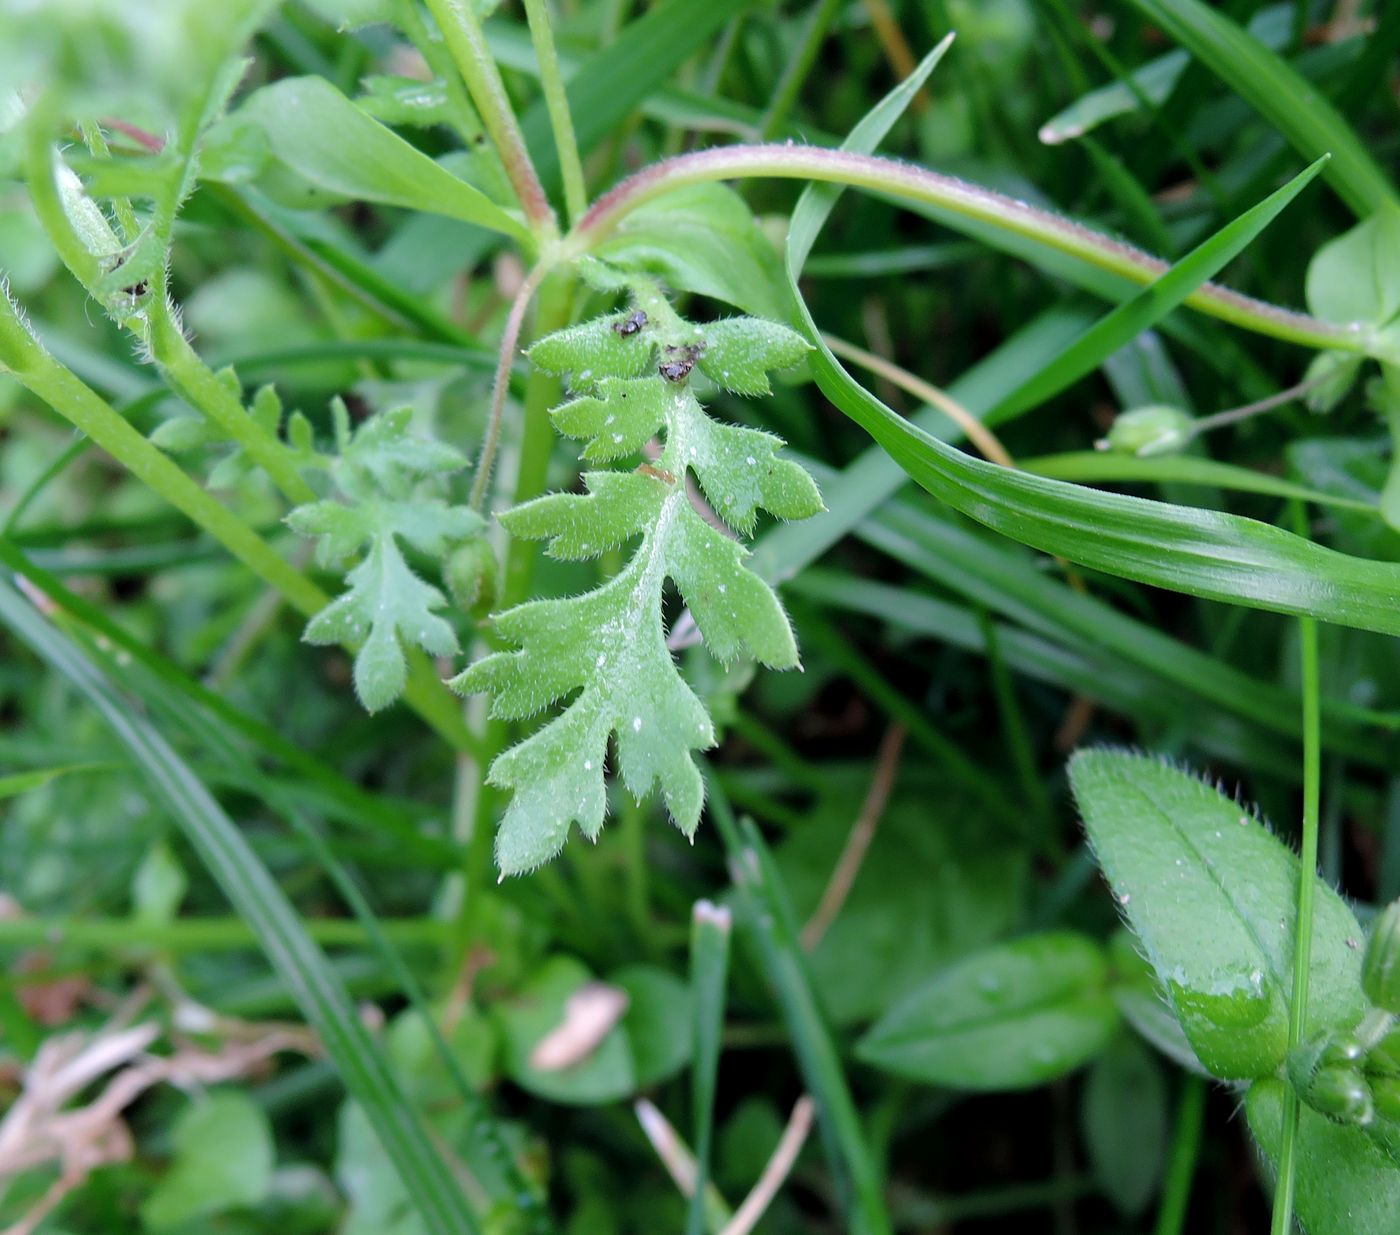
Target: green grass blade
[[1183, 549], [767, 917], [709, 971], [1202, 553], [996, 577], [1092, 466], [1141, 312], [1281, 95], [23, 782], [864, 483], [607, 87], [353, 804], [258, 900]]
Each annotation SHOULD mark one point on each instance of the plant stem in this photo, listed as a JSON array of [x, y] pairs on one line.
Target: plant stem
[[1186, 1150], [191, 378], [510, 340], [201, 934], [987, 442], [709, 970], [24, 358], [462, 31], [1282, 1222], [557, 101], [173, 355], [958, 196]]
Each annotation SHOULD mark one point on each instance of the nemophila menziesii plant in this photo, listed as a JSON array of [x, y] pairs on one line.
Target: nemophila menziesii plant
[[432, 458]]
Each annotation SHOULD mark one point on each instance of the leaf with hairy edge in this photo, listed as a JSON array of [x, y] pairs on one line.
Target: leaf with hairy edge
[[606, 650], [1209, 892]]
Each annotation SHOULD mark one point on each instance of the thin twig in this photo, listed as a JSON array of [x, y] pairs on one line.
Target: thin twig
[[977, 433], [775, 1172], [501, 387], [1235, 414], [843, 876]]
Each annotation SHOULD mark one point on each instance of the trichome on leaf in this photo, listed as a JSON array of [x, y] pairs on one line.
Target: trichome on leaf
[[631, 376]]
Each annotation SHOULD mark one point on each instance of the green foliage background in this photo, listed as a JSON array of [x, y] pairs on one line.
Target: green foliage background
[[323, 386]]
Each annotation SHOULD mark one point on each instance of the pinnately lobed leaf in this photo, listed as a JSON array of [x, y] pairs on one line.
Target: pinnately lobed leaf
[[379, 472], [606, 650], [1209, 892]]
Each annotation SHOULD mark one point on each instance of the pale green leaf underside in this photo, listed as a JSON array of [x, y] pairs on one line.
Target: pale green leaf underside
[[1210, 891], [605, 651]]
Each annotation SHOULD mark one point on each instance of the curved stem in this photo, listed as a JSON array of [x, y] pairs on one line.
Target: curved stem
[[905, 180], [465, 40], [510, 338]]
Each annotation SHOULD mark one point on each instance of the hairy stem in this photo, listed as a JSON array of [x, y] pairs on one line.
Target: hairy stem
[[510, 340], [462, 31], [913, 183]]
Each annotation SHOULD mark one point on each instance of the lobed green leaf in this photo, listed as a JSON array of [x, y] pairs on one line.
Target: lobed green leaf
[[605, 651]]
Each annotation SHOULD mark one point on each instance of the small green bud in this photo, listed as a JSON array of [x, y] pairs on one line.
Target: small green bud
[[471, 575], [1341, 1094], [1380, 967], [1385, 1091], [1383, 1059], [1144, 431]]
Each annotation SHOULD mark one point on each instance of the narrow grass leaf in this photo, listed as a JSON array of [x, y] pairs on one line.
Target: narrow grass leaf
[[252, 891], [23, 782], [709, 970], [607, 87], [1280, 94], [1141, 312], [1092, 466], [767, 918]]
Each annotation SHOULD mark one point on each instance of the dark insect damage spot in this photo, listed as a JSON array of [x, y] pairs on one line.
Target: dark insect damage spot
[[679, 361]]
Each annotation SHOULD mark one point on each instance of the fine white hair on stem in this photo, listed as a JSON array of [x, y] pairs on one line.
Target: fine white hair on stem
[[510, 340]]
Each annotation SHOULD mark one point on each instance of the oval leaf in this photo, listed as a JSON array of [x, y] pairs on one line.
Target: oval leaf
[[1210, 891], [1010, 1017], [315, 130]]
